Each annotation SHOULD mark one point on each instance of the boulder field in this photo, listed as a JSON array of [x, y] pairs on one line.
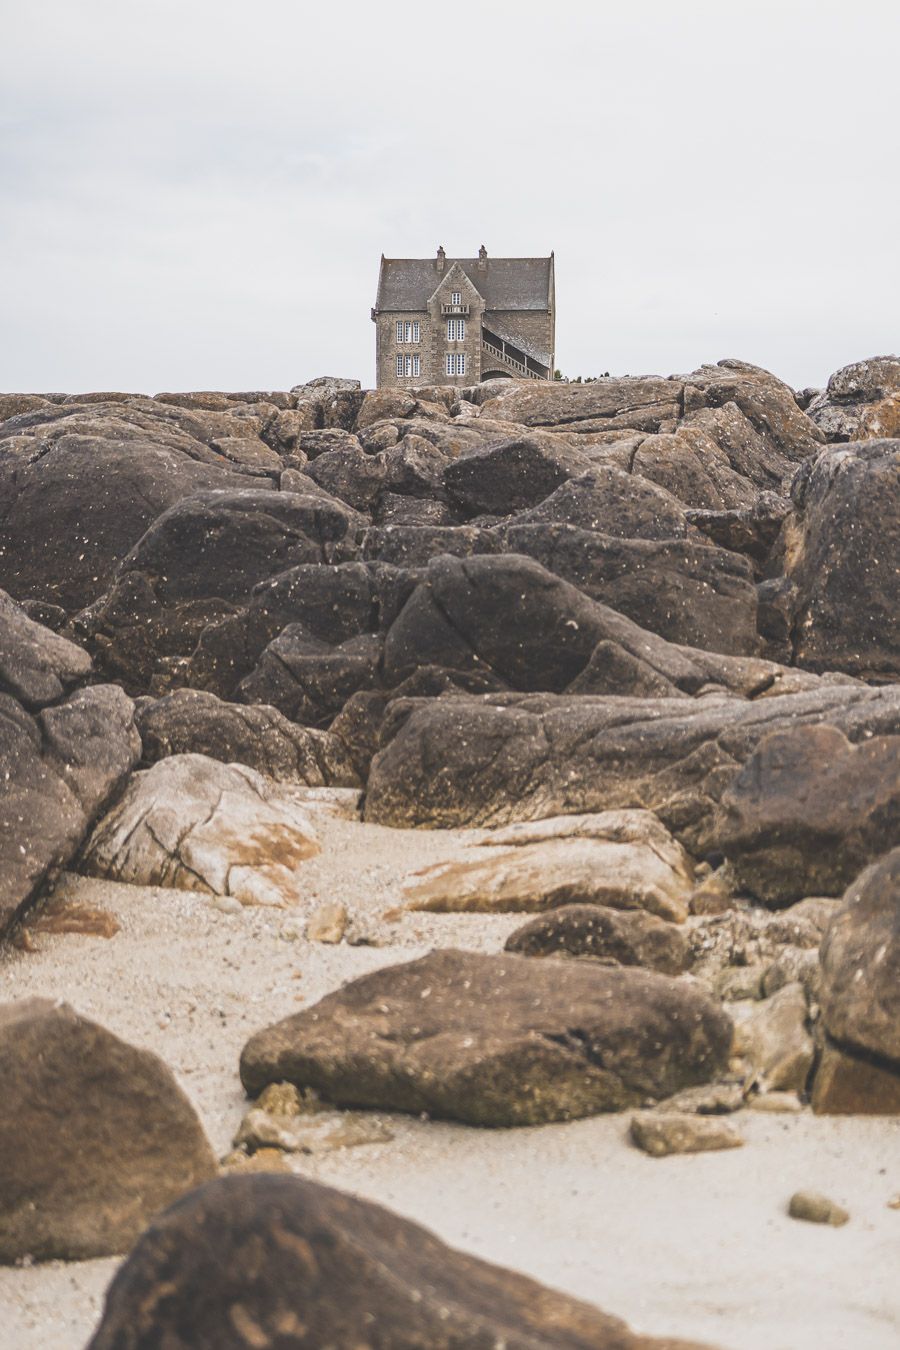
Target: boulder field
[[634, 641]]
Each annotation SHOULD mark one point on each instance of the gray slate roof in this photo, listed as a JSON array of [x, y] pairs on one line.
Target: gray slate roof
[[505, 283]]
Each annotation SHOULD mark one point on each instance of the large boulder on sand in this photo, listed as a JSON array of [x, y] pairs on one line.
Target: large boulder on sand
[[842, 554], [198, 825], [496, 1040], [282, 1261], [96, 1137], [808, 810]]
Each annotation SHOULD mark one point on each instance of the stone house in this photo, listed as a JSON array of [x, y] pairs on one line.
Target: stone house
[[460, 320]]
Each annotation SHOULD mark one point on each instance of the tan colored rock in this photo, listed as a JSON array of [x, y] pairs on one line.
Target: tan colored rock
[[620, 859], [816, 1208], [775, 1040], [198, 825], [320, 1132], [327, 923], [96, 1136], [777, 1103], [663, 1133]]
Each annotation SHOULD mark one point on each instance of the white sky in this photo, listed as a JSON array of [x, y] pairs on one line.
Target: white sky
[[195, 193]]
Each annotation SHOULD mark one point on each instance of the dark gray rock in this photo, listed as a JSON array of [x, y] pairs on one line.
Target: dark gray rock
[[511, 475]]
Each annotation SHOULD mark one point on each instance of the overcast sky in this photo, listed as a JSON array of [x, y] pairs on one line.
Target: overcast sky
[[195, 193]]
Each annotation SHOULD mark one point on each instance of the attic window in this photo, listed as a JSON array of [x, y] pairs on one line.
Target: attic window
[[456, 297]]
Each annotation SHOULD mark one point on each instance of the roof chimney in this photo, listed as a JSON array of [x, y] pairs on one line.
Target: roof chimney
[[441, 256], [482, 257]]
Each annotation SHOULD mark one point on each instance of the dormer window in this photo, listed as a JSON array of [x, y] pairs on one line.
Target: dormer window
[[456, 297]]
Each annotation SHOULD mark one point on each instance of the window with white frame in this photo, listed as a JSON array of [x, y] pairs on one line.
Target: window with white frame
[[456, 330], [456, 363], [399, 330], [399, 365], [456, 297], [416, 366], [408, 330], [416, 335]]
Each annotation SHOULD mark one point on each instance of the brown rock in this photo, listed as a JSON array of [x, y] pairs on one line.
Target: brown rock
[[95, 1136], [496, 1040], [848, 1085], [861, 964], [808, 810], [271, 1260], [615, 937]]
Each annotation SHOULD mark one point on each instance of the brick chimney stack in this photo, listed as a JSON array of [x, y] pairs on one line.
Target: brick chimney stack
[[482, 257], [441, 257]]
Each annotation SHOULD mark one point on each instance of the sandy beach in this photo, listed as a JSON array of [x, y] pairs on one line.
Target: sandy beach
[[697, 1246]]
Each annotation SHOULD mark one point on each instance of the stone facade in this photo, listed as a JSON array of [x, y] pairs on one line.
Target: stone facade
[[460, 320]]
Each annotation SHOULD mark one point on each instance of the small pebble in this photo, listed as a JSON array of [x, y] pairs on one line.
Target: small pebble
[[816, 1208], [226, 904]]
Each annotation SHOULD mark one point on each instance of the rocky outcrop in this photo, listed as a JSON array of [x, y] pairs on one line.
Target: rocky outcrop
[[198, 564], [808, 810], [279, 1260], [502, 758], [198, 825], [80, 484], [96, 1137], [496, 1040], [65, 752], [861, 401], [192, 721], [840, 547]]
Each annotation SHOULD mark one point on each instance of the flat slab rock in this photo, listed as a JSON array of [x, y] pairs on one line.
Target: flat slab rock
[[269, 1260], [198, 825], [620, 859], [497, 1040], [96, 1137]]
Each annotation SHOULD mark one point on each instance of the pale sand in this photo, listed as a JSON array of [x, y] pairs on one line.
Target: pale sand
[[694, 1246]]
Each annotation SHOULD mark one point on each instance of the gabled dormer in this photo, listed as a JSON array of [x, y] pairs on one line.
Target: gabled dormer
[[455, 297]]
